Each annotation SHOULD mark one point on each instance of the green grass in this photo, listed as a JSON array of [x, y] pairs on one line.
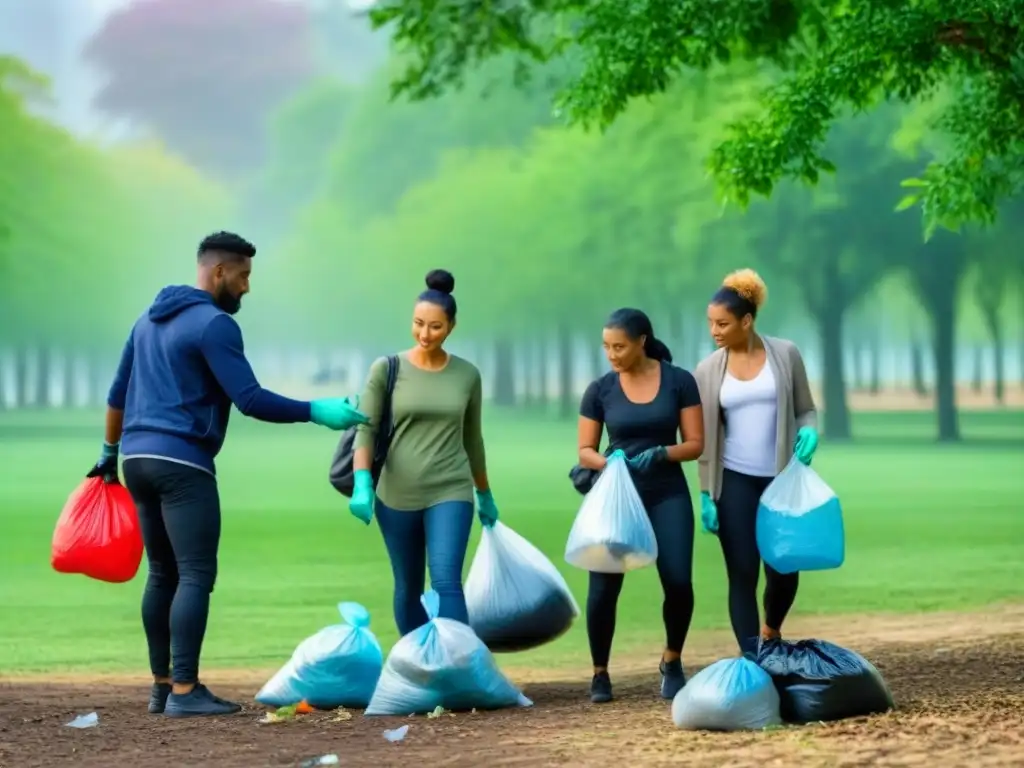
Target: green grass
[[928, 528]]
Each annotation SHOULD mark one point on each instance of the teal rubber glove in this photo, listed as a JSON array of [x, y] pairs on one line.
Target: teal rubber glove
[[363, 495], [486, 509], [645, 460], [806, 445], [708, 513], [337, 413]]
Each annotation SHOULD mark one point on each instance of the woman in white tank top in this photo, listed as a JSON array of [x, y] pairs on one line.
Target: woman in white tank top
[[758, 412]]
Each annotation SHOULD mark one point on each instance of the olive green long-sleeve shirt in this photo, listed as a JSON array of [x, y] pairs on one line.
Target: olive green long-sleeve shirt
[[438, 445]]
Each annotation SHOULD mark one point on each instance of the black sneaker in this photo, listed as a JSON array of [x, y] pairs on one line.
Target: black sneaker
[[673, 678], [601, 688], [158, 698], [199, 702]]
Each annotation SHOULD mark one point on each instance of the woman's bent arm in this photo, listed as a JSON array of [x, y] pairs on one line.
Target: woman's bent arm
[[371, 403], [691, 427], [473, 437]]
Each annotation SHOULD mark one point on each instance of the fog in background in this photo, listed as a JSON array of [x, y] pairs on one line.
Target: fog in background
[[129, 130]]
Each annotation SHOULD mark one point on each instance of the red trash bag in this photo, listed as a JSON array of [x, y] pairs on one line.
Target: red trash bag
[[98, 534]]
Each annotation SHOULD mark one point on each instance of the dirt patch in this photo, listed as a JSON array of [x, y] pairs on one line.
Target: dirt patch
[[958, 684]]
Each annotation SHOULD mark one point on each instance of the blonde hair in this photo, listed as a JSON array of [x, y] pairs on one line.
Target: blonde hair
[[748, 285]]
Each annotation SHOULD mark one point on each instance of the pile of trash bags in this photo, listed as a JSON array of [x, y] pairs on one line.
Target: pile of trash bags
[[800, 522], [337, 667], [517, 599], [441, 664], [612, 532], [802, 682]]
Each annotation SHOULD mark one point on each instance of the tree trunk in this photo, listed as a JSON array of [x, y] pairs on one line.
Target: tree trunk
[[3, 380], [504, 373], [937, 282], [566, 396], [831, 317], [540, 352], [917, 368], [597, 361], [676, 331], [837, 411], [44, 369], [526, 358], [875, 353], [858, 366], [22, 396], [70, 369], [978, 377], [995, 333]]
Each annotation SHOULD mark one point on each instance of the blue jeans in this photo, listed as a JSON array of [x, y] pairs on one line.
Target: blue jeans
[[437, 536]]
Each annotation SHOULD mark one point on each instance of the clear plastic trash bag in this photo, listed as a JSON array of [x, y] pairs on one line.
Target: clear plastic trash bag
[[441, 664], [729, 695], [337, 667], [516, 598], [612, 532], [800, 522], [821, 681]]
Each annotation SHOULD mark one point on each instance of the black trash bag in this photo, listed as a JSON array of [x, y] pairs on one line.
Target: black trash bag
[[515, 597], [819, 681]]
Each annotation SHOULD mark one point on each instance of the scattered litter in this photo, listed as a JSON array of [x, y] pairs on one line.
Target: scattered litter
[[85, 721], [322, 760], [341, 715], [304, 708], [396, 735], [438, 711]]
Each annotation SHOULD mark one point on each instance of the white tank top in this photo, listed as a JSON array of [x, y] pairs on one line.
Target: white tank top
[[751, 423]]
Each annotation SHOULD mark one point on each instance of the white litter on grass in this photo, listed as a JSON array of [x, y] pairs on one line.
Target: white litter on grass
[[396, 735], [85, 721]]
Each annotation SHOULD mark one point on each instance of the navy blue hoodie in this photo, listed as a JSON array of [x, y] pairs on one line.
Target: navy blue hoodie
[[181, 369]]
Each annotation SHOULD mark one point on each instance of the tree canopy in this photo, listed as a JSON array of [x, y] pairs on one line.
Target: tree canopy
[[834, 58]]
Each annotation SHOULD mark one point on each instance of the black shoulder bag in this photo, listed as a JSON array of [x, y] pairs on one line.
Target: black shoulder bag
[[342, 472]]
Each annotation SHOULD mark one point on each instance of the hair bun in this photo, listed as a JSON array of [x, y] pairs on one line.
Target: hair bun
[[440, 280], [748, 284]]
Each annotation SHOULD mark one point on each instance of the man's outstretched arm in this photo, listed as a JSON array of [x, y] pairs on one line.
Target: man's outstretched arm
[[225, 354]]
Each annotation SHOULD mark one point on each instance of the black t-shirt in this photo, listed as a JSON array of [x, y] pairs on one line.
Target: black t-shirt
[[634, 428]]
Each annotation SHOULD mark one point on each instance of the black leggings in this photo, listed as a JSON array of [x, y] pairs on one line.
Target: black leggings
[[737, 520], [672, 519], [179, 512]]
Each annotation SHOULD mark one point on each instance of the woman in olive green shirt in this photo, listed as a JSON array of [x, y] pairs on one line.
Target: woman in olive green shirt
[[424, 497]]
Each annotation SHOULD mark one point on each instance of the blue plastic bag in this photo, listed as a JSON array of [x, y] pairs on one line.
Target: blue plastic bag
[[516, 598], [441, 664], [800, 522], [729, 695], [337, 667], [612, 532]]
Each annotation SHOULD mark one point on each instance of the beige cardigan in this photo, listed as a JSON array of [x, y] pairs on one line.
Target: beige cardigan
[[795, 407]]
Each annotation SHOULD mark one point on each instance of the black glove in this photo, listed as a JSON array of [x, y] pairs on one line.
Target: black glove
[[106, 467]]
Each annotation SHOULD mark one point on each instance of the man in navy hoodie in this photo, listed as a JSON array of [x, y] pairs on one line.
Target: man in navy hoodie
[[181, 370]]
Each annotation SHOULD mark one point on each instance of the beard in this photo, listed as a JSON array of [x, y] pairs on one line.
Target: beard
[[227, 301]]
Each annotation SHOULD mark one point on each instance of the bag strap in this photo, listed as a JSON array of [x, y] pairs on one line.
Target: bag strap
[[386, 415]]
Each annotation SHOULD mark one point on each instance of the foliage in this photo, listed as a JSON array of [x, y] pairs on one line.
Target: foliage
[[837, 57], [204, 75], [82, 222]]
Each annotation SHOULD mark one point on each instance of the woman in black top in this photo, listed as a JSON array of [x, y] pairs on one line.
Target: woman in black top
[[645, 403]]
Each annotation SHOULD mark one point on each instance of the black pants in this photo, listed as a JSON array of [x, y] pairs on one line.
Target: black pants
[[672, 520], [737, 521], [179, 512]]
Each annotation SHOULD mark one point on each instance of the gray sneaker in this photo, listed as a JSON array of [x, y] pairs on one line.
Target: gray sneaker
[[601, 688], [199, 702], [158, 698], [673, 679]]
